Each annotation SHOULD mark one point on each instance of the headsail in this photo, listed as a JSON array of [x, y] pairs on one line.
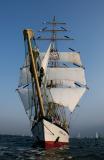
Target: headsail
[[26, 96], [46, 59], [25, 76], [27, 87]]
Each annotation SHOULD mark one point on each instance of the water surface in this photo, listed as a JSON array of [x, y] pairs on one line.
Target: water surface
[[20, 148]]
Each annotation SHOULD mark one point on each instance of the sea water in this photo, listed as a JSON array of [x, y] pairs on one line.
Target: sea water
[[20, 148]]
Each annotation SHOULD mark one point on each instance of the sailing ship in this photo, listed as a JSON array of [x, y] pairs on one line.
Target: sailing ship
[[50, 86], [97, 135]]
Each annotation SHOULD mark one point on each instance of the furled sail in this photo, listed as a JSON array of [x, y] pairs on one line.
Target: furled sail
[[68, 97]]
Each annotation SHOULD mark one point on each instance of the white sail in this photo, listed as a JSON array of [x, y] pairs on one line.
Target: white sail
[[26, 97], [60, 83], [25, 76], [27, 61], [72, 57], [68, 74], [68, 97], [45, 59]]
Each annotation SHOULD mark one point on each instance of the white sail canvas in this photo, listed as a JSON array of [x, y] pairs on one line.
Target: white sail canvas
[[45, 59], [72, 57], [71, 74], [26, 96], [68, 97]]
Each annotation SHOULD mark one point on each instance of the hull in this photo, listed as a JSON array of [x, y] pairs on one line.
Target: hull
[[49, 135]]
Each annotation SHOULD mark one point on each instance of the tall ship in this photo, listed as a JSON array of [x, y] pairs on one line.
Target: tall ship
[[50, 86]]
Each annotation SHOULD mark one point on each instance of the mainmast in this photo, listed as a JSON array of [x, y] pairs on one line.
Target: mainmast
[[53, 38]]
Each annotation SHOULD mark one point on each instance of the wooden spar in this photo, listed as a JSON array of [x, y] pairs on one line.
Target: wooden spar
[[28, 34]]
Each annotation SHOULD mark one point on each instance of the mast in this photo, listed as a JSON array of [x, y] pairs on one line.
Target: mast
[[28, 34], [69, 81], [53, 38]]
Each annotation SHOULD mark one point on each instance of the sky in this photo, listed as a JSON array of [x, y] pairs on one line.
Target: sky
[[85, 19]]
